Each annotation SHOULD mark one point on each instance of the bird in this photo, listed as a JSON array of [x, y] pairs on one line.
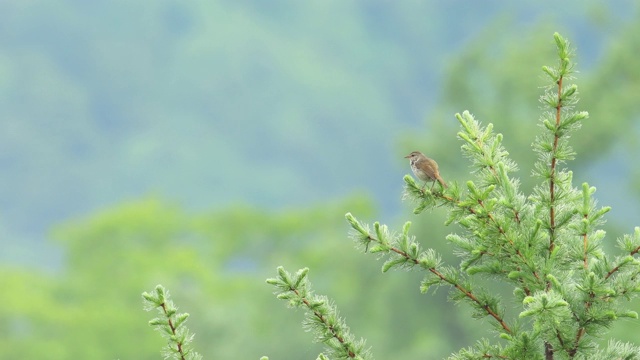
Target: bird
[[424, 168]]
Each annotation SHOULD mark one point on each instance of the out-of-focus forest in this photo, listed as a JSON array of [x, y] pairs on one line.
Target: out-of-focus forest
[[200, 144]]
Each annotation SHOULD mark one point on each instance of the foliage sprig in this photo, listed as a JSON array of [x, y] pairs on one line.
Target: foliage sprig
[[321, 316], [404, 251], [170, 324]]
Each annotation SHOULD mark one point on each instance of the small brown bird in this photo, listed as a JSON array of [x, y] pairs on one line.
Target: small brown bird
[[424, 168]]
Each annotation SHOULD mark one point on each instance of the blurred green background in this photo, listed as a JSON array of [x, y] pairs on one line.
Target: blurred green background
[[201, 144]]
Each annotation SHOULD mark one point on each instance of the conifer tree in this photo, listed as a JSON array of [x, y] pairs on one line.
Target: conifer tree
[[546, 246]]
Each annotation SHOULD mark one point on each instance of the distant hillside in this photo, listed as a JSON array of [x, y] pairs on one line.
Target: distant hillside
[[211, 103]]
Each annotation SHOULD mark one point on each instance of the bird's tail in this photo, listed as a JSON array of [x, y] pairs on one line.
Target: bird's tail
[[441, 181]]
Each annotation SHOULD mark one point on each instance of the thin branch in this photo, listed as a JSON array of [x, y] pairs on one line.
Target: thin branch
[[492, 219], [504, 234], [552, 215], [548, 351], [326, 323], [617, 267], [468, 293], [173, 329], [581, 330], [585, 245]]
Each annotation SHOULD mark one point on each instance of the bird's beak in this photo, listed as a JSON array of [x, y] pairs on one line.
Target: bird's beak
[[408, 156]]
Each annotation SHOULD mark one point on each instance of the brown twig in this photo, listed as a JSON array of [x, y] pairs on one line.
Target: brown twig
[[173, 330], [459, 287], [548, 351], [504, 234], [617, 267], [552, 215], [582, 329], [323, 320], [491, 218]]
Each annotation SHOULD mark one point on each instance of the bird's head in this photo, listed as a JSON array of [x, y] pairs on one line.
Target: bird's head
[[413, 155]]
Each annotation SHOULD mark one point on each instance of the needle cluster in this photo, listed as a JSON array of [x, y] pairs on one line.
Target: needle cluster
[[171, 325]]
